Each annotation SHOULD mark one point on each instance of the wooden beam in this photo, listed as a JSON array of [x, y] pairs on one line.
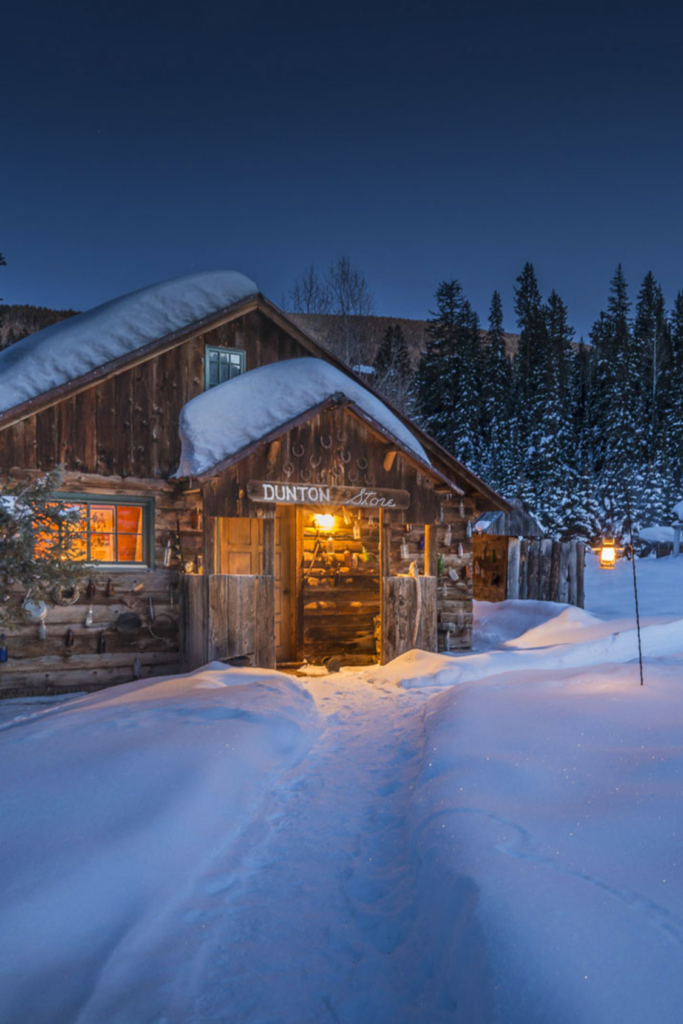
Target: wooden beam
[[269, 547], [431, 550], [210, 545]]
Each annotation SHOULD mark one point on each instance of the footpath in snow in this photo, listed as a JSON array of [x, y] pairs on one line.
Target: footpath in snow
[[494, 837]]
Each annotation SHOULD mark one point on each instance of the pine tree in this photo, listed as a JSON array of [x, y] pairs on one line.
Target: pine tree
[[672, 399], [498, 428], [553, 467], [651, 353], [447, 384], [39, 543]]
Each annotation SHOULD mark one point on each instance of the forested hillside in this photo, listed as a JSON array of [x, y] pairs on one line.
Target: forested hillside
[[18, 321], [574, 431]]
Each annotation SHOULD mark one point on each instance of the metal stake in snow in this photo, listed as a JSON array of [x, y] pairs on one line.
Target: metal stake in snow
[[635, 581]]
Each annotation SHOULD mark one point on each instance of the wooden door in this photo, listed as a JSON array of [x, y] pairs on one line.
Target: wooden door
[[240, 553], [240, 547]]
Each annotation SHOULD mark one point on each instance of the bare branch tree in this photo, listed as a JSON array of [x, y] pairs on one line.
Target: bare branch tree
[[342, 293], [310, 293]]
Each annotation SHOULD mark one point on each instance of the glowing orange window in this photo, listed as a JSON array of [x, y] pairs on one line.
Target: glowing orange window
[[99, 531]]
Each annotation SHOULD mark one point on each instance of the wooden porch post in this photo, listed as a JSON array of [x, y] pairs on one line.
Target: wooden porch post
[[431, 550], [210, 527], [269, 546]]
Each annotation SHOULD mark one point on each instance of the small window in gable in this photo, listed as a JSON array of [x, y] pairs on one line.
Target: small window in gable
[[221, 364]]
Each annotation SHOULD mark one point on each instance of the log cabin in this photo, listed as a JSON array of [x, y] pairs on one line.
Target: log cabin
[[244, 496]]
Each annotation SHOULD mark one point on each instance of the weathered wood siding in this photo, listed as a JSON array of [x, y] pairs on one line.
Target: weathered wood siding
[[50, 666], [128, 425], [334, 447], [409, 615], [408, 543], [228, 617], [542, 570]]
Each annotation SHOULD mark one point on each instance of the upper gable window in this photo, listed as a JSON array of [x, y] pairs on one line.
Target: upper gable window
[[221, 364]]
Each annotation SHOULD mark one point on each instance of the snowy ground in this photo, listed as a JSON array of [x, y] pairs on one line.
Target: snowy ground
[[491, 837]]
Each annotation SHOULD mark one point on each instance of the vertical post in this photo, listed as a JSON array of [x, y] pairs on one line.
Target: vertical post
[[431, 550], [210, 546], [269, 547], [635, 582], [384, 573]]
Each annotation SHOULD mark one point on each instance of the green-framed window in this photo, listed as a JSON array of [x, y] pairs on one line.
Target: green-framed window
[[221, 364], [116, 532]]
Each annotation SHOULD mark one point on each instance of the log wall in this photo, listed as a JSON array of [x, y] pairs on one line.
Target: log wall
[[49, 666], [535, 570], [409, 543]]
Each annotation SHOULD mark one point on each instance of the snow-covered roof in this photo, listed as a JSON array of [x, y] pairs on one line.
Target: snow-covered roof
[[657, 534], [226, 419], [71, 348]]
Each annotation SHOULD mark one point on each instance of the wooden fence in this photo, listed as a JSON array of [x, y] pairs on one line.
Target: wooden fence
[[227, 617], [400, 604], [546, 570]]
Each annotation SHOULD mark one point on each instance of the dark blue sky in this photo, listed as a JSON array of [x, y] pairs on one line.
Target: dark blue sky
[[427, 140]]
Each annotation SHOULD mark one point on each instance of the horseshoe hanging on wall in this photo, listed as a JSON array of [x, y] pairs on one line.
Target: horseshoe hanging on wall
[[270, 475], [369, 481], [315, 462], [306, 476], [322, 476], [323, 444], [362, 463], [340, 438], [297, 450], [345, 456], [288, 469], [353, 475]]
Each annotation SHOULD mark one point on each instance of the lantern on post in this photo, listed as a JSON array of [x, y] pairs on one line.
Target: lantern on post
[[608, 553]]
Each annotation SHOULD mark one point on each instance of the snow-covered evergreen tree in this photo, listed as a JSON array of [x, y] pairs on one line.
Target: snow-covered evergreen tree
[[498, 431], [447, 384], [672, 399]]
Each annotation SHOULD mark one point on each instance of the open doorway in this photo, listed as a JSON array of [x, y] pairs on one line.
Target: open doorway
[[338, 584]]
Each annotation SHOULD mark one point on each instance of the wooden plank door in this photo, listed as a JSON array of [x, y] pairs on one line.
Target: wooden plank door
[[240, 553], [240, 547]]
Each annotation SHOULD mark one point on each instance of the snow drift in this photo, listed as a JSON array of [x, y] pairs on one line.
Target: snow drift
[[225, 420], [111, 806], [553, 800], [69, 349]]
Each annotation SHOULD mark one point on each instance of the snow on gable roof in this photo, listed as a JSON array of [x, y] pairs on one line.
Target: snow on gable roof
[[69, 349], [226, 419]]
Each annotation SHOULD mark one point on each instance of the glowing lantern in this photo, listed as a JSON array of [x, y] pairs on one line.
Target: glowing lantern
[[324, 522], [608, 554]]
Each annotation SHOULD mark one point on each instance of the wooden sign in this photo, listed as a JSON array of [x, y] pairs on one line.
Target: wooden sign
[[324, 494]]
